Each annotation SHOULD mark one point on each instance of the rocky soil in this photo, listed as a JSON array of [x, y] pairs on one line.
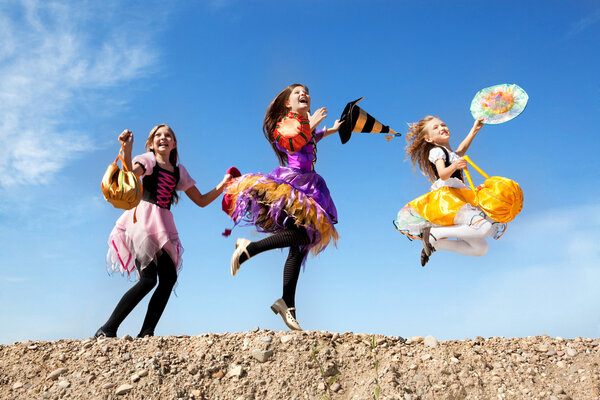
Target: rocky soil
[[301, 365]]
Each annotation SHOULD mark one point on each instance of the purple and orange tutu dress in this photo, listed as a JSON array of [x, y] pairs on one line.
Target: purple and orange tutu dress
[[293, 192], [155, 228]]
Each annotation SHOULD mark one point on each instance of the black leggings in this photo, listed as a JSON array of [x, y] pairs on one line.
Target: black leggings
[[293, 237], [167, 276]]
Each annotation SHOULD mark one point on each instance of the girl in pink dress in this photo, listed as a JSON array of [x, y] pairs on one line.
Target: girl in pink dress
[[145, 239]]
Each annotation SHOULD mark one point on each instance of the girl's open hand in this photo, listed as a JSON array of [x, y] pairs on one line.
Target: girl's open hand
[[126, 138], [316, 118], [336, 125]]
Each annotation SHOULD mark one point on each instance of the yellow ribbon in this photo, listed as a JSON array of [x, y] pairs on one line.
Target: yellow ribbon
[[467, 159]]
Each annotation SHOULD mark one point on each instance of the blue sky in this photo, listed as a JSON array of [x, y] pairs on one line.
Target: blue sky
[[73, 77]]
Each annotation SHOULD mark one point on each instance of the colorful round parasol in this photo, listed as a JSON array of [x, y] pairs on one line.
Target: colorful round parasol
[[499, 103]]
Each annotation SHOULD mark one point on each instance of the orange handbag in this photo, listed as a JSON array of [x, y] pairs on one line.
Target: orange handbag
[[500, 198], [121, 187]]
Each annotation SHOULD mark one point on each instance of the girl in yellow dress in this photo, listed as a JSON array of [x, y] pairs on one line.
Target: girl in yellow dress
[[450, 209]]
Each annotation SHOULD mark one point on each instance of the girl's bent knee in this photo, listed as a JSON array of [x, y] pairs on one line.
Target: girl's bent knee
[[484, 229], [481, 250]]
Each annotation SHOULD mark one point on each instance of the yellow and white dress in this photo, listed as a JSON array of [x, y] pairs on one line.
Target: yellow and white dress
[[449, 202]]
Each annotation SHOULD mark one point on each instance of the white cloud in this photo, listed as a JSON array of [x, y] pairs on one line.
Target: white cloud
[[583, 24], [569, 217], [570, 233], [13, 279], [556, 299], [55, 56], [550, 287]]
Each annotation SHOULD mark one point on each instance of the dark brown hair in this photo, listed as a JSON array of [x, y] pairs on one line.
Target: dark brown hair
[[275, 112]]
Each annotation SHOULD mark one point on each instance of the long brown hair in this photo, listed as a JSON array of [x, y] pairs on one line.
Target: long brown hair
[[173, 156], [418, 148], [277, 110]]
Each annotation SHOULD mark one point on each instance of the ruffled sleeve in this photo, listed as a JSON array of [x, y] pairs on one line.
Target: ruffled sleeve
[[185, 180], [436, 154], [293, 132], [318, 134], [147, 161]]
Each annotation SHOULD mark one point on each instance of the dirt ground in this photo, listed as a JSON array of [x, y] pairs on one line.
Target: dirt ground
[[301, 365]]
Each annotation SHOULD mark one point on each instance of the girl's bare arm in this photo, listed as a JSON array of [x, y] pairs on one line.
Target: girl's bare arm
[[202, 200], [464, 145]]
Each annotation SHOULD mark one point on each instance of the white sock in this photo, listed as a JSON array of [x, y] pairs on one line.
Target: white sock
[[470, 247], [470, 238]]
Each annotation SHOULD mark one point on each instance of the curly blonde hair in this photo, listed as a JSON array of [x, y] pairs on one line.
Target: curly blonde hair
[[418, 148]]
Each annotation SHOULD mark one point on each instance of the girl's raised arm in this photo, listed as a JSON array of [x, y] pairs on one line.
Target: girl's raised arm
[[126, 139], [202, 200], [318, 116], [464, 145], [334, 128]]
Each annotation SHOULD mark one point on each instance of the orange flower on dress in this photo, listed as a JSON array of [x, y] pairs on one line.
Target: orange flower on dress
[[292, 132]]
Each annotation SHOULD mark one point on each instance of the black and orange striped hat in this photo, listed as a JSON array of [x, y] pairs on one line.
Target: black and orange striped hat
[[355, 119]]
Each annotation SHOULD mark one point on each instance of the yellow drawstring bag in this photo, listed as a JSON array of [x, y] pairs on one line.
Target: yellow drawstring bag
[[500, 198], [121, 187]]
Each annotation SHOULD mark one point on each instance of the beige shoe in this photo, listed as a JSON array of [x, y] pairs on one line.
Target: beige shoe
[[287, 313], [240, 248]]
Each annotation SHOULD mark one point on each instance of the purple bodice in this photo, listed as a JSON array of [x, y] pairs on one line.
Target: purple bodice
[[300, 174], [306, 157]]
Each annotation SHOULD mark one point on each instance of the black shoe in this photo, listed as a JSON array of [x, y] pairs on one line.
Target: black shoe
[[426, 253], [428, 248], [424, 258], [145, 334], [102, 333]]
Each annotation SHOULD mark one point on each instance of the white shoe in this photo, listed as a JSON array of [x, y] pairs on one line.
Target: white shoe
[[240, 248], [498, 230], [287, 313]]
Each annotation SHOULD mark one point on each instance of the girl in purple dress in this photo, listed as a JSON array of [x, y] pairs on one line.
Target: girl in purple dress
[[145, 239], [292, 202]]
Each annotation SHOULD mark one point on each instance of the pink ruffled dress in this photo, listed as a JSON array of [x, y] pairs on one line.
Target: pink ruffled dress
[[155, 228]]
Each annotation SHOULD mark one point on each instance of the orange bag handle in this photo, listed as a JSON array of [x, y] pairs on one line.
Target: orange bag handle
[[120, 157], [486, 176]]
